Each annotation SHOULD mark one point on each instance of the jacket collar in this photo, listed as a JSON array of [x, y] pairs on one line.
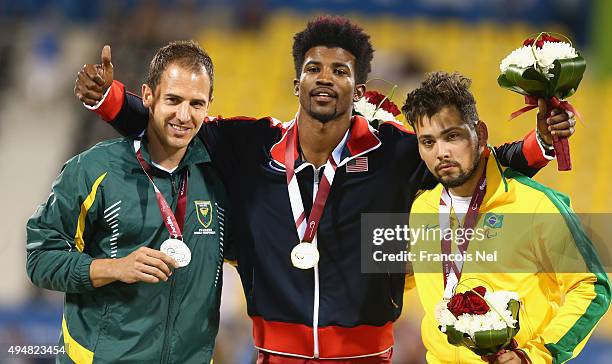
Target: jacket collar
[[358, 140], [196, 151]]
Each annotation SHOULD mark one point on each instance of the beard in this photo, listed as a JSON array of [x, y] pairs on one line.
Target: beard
[[464, 174], [322, 116]]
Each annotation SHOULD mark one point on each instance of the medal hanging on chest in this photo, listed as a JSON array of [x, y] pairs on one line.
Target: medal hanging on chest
[[305, 254], [174, 221], [452, 270]]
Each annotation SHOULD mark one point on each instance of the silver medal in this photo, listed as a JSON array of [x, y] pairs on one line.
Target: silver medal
[[178, 250]]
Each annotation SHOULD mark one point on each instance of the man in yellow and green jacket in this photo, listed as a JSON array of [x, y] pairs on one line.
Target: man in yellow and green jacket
[[527, 240]]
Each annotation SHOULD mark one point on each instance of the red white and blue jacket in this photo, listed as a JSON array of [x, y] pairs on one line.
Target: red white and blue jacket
[[333, 310]]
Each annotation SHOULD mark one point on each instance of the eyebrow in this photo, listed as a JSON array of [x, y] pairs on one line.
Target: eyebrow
[[182, 98], [443, 132], [335, 64]]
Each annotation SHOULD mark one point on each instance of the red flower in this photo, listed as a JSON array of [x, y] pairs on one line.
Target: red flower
[[540, 43], [375, 97], [468, 302], [456, 305]]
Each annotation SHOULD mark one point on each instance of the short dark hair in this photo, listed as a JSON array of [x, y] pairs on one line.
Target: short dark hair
[[185, 53], [440, 89], [331, 32]]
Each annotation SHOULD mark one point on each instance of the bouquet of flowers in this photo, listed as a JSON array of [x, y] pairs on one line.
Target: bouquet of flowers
[[545, 67], [376, 108], [484, 322]]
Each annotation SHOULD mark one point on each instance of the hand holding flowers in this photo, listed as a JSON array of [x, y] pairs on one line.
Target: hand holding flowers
[[548, 68], [484, 322]]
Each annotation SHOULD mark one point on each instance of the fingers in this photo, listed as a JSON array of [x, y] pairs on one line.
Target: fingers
[[85, 88], [152, 271], [158, 264], [508, 357], [91, 70], [147, 278], [561, 124], [542, 107], [145, 265], [163, 257], [106, 57]]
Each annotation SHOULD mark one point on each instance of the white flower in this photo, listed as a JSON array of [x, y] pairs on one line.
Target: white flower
[[544, 57], [521, 57], [498, 317], [552, 51], [369, 112], [444, 316]]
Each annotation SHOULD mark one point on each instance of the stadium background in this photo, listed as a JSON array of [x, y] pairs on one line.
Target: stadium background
[[43, 43]]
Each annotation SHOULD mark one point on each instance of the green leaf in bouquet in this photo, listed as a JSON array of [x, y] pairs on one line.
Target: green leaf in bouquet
[[526, 81], [491, 341], [455, 337], [567, 75], [486, 342]]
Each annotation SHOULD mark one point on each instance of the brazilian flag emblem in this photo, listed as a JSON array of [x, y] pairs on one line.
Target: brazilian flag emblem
[[205, 212], [493, 221]]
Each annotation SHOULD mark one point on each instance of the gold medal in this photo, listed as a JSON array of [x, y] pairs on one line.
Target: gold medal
[[304, 256]]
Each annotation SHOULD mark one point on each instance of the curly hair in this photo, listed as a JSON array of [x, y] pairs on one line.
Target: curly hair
[[440, 89], [334, 31], [186, 54]]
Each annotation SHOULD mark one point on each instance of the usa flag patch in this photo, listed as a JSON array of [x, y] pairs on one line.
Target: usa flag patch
[[359, 164]]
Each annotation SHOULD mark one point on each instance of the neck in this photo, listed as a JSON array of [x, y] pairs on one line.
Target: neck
[[467, 189], [318, 140], [163, 155]]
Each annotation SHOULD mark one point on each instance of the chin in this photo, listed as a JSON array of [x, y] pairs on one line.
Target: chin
[[323, 117], [178, 143]]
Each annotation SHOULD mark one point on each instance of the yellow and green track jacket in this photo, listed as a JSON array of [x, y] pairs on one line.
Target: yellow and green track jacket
[[543, 254], [103, 206]]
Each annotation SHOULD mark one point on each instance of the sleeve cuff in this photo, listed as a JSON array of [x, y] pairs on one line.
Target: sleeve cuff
[[547, 151], [96, 106], [111, 103], [82, 273], [534, 152]]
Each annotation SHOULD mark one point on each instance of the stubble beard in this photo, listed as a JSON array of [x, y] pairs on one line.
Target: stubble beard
[[464, 175]]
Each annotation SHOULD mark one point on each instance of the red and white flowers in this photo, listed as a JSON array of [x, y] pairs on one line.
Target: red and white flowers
[[484, 322], [469, 313], [547, 49], [376, 108], [546, 68]]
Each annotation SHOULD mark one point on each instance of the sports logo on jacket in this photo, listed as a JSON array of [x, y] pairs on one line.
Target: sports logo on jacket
[[205, 212], [494, 221]]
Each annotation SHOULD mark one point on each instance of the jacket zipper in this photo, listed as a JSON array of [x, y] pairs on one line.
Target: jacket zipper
[[165, 348], [315, 313]]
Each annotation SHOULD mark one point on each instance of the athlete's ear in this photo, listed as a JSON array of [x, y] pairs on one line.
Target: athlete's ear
[[360, 90], [296, 87], [483, 134], [147, 95]]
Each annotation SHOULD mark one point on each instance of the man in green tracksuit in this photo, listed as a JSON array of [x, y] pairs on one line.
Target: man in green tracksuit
[[133, 230]]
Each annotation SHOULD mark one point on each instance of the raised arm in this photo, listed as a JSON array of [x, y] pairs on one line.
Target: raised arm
[[96, 88]]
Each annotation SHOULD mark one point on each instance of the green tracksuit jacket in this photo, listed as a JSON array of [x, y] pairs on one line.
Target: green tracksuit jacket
[[103, 206]]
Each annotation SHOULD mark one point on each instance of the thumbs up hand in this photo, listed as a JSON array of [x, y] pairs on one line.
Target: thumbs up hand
[[94, 79]]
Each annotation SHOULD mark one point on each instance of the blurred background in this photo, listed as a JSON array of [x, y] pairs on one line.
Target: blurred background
[[44, 43]]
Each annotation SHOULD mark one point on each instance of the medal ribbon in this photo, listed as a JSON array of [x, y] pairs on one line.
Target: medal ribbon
[[449, 267], [306, 230], [174, 221]]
